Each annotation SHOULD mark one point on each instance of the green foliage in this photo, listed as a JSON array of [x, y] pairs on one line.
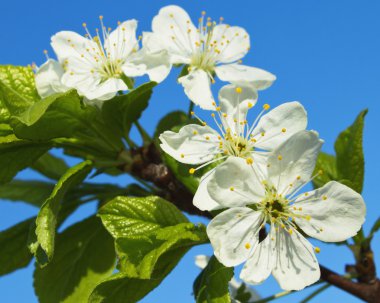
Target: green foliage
[[14, 253], [50, 166], [18, 154], [84, 257], [170, 121], [349, 151], [242, 294], [17, 88], [211, 286], [347, 166], [46, 221], [32, 192], [120, 112]]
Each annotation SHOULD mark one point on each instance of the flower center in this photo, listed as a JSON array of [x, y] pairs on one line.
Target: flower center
[[237, 146]]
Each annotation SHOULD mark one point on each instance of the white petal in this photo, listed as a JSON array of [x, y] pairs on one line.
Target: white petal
[[201, 261], [232, 42], [235, 184], [197, 88], [336, 212], [233, 234], [105, 90], [237, 73], [259, 266], [48, 79], [67, 44], [176, 31], [279, 124], [236, 105], [156, 65], [293, 161], [190, 144], [296, 265], [122, 41], [202, 198]]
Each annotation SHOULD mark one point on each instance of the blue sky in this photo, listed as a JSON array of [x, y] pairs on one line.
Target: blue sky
[[324, 53]]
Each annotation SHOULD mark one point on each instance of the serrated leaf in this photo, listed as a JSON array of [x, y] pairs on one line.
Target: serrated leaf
[[349, 153], [138, 255], [18, 154], [46, 221], [14, 253], [130, 216], [211, 286], [32, 192], [50, 166], [84, 257], [327, 164], [120, 112], [17, 88], [122, 289]]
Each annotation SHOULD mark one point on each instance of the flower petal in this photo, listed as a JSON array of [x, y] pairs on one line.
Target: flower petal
[[190, 145], [235, 184], [293, 162], [177, 33], [280, 124], [296, 265], [67, 44], [105, 90], [237, 73], [201, 261], [233, 234], [236, 105], [202, 198], [197, 88], [259, 266], [232, 42], [336, 212], [48, 79], [122, 41]]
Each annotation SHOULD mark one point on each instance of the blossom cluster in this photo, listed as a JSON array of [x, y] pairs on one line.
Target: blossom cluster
[[258, 171]]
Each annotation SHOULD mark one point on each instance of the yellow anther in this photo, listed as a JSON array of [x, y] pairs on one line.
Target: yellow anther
[[290, 231], [192, 113], [195, 132], [247, 245], [45, 51], [317, 250], [207, 138], [101, 17], [225, 115], [272, 238], [213, 103], [320, 172], [298, 177], [213, 115], [232, 188], [321, 229], [266, 106], [282, 226], [238, 90], [262, 134], [171, 15], [295, 208], [240, 61], [300, 208], [204, 123], [220, 138], [324, 197], [249, 161], [279, 157], [84, 24], [182, 156], [308, 218], [218, 108], [250, 105], [203, 13], [306, 194], [192, 171], [283, 130], [171, 26], [209, 24]]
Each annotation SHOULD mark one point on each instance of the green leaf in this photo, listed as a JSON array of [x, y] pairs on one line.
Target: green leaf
[[243, 295], [138, 255], [32, 192], [46, 221], [169, 121], [211, 286], [17, 88], [122, 289], [50, 166], [327, 164], [64, 116], [84, 257], [14, 253], [4, 113], [375, 227], [18, 154], [349, 153], [130, 216], [120, 112]]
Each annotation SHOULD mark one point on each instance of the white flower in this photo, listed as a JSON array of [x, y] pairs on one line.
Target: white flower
[[209, 49], [332, 213], [48, 78], [202, 260], [96, 65], [195, 144]]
